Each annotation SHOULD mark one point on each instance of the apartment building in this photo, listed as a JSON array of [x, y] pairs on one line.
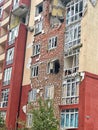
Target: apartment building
[[13, 31], [48, 49], [63, 34]]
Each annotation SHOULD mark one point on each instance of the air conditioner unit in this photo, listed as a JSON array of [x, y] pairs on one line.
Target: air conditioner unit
[[31, 28]]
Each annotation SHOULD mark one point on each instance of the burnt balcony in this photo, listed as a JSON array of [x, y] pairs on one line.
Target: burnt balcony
[[20, 7]]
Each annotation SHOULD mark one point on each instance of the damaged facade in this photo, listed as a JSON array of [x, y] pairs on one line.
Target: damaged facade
[[48, 49]]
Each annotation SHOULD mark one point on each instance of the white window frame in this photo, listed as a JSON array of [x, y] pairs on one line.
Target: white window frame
[[4, 98], [38, 27], [32, 95], [13, 34], [15, 4], [34, 71], [71, 15], [29, 120], [7, 76], [52, 43], [66, 116], [72, 36], [37, 9], [10, 56], [70, 91], [49, 92], [36, 49]]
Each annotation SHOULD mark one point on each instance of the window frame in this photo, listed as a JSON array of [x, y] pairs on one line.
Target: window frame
[[68, 95], [7, 76], [49, 92], [66, 117], [29, 118], [36, 49], [4, 98], [32, 95], [51, 42], [37, 12], [34, 70], [10, 56]]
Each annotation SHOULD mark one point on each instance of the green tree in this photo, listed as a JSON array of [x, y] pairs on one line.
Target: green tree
[[2, 123], [43, 116]]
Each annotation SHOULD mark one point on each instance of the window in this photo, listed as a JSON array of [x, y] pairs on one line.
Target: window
[[34, 71], [4, 98], [29, 120], [49, 92], [69, 118], [10, 56], [70, 91], [39, 8], [52, 43], [1, 10], [74, 11], [12, 35], [36, 49], [38, 27], [7, 76], [71, 64], [32, 95], [15, 4], [53, 67], [73, 34]]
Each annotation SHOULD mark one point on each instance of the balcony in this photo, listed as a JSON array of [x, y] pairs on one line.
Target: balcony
[[5, 21], [3, 39], [0, 76], [1, 2], [20, 7], [7, 4], [2, 57]]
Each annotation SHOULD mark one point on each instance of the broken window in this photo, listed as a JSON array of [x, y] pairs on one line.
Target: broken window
[[36, 49], [4, 98], [52, 43], [39, 8], [10, 56], [74, 11], [53, 67], [71, 64], [70, 91], [34, 71], [72, 36]]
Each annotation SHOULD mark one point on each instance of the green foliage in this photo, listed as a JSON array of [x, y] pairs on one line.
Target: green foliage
[[43, 116], [2, 123]]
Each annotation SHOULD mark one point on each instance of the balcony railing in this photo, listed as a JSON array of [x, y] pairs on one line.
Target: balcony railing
[[3, 38], [2, 57], [7, 4], [5, 21], [70, 100]]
